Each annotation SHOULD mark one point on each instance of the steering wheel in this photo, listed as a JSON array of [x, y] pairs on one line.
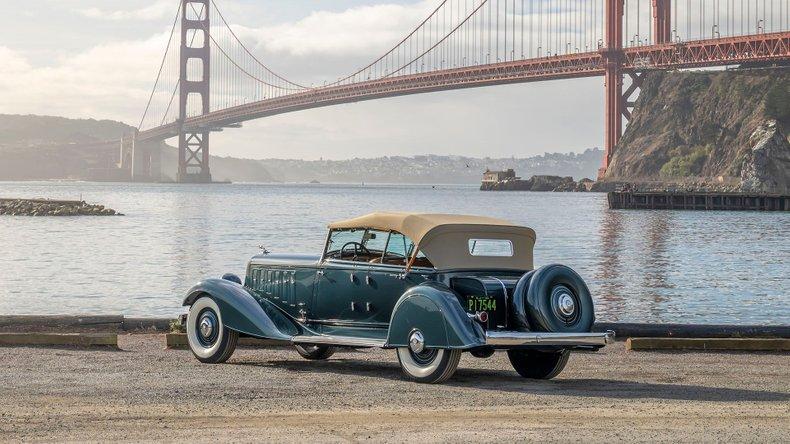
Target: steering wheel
[[358, 248]]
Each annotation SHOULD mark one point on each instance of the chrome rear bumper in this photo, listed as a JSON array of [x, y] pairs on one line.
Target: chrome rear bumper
[[519, 338]]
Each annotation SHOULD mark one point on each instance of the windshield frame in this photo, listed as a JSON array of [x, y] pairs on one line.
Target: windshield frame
[[413, 251]]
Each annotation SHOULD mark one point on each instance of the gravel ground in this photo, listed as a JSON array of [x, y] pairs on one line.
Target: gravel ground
[[145, 393]]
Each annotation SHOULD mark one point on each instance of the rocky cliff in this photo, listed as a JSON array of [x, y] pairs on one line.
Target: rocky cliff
[[717, 130]]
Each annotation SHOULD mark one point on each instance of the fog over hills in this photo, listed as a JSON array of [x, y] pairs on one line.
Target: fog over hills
[[43, 148]]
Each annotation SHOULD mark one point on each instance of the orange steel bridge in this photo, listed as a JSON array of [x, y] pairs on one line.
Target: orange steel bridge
[[462, 44]]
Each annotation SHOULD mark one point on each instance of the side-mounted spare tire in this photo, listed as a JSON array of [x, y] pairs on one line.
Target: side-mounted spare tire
[[553, 298]]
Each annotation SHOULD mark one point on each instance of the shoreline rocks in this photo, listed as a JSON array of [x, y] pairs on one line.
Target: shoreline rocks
[[45, 207], [540, 183]]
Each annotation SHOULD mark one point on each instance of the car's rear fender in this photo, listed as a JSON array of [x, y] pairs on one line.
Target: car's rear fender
[[243, 313], [435, 310]]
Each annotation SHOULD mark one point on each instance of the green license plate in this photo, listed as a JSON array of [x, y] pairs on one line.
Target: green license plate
[[477, 303]]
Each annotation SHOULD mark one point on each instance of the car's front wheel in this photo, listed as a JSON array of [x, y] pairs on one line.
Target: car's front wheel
[[209, 339], [538, 364]]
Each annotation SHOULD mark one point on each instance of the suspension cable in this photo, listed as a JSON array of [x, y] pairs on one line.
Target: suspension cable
[[440, 41], [372, 64], [222, 50], [161, 67], [219, 13]]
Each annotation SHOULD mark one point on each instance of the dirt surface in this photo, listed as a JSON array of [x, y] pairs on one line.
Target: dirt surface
[[144, 393]]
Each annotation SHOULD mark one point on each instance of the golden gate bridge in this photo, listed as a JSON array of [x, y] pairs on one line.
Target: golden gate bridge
[[210, 80]]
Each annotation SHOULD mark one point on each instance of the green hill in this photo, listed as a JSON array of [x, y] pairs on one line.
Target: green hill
[[715, 129], [17, 130]]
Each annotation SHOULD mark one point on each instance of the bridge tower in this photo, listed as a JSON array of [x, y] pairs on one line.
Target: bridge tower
[[195, 57], [618, 103], [662, 21], [613, 79]]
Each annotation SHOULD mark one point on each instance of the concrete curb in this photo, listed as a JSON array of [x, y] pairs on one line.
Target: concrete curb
[[179, 341], [60, 324], [641, 330], [708, 344], [60, 339], [83, 324]]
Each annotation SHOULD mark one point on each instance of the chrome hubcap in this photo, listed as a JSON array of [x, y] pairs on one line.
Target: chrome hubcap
[[566, 304], [207, 328], [416, 341]]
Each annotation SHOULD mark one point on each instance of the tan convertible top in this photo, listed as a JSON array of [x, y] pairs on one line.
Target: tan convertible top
[[444, 238]]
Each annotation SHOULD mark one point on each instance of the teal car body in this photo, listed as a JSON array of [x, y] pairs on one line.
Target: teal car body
[[410, 282]]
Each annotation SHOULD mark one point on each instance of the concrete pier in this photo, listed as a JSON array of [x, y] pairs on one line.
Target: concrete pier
[[659, 200]]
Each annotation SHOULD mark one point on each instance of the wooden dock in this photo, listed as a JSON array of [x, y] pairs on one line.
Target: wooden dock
[[659, 200]]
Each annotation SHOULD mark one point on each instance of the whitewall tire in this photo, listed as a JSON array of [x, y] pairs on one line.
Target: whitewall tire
[[210, 341], [429, 365]]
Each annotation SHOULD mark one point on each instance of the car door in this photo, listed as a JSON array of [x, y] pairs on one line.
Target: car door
[[340, 282], [340, 287], [387, 281]]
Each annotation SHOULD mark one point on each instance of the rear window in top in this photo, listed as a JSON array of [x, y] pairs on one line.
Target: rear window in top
[[491, 247]]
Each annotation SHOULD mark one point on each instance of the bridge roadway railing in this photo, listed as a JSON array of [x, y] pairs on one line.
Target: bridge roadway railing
[[700, 53], [714, 52]]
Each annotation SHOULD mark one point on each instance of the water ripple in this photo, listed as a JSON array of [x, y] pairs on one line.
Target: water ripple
[[657, 266]]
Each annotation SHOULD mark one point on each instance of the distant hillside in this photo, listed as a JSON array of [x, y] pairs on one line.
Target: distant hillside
[[41, 148], [16, 130], [431, 168], [723, 128], [44, 147]]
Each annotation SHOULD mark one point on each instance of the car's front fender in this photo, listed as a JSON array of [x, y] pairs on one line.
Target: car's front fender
[[242, 312], [434, 309]]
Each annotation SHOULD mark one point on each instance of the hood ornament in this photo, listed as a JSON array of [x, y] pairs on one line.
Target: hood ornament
[[263, 249]]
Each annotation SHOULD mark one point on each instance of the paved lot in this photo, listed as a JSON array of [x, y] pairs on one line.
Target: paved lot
[[144, 392]]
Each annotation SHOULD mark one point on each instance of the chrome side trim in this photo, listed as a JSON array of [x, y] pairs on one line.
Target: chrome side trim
[[517, 338], [342, 323], [347, 341]]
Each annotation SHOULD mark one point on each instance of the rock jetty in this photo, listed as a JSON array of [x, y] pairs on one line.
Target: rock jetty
[[538, 183], [46, 207]]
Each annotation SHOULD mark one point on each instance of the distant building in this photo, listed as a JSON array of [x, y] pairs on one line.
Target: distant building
[[499, 176]]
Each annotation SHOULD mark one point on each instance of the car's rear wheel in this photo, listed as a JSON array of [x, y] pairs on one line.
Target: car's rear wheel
[[315, 352], [537, 364], [209, 339], [428, 365]]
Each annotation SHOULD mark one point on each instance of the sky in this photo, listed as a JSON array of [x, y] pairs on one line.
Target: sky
[[98, 59]]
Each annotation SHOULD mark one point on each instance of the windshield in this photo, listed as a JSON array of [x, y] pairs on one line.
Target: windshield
[[373, 246]]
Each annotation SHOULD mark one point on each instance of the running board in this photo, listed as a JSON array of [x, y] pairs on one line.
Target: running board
[[345, 341], [493, 338]]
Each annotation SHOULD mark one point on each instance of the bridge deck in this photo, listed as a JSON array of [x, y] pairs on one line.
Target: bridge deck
[[772, 47]]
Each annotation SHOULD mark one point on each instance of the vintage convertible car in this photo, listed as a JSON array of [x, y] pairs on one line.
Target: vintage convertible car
[[430, 286]]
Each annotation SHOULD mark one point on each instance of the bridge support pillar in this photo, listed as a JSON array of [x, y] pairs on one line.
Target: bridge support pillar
[[662, 21], [613, 102], [146, 160], [194, 84]]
